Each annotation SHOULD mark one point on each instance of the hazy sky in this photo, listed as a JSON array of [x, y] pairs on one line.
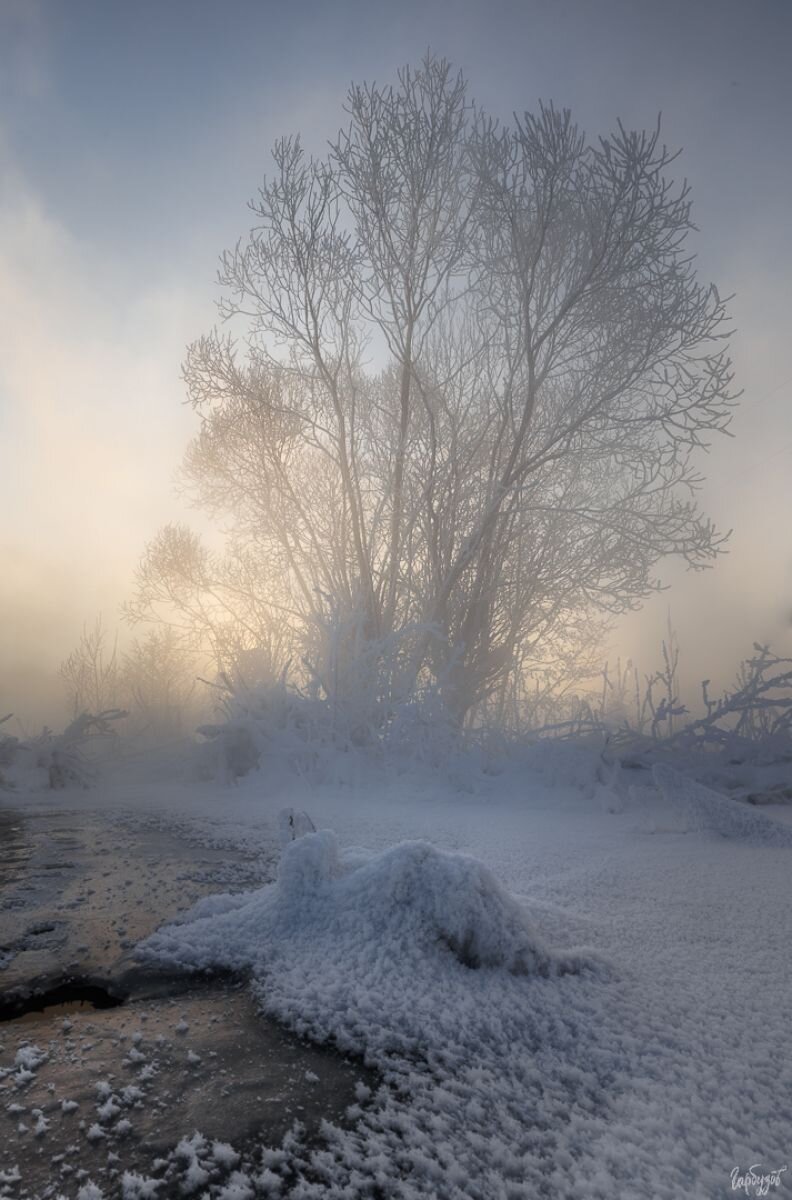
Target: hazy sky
[[131, 136]]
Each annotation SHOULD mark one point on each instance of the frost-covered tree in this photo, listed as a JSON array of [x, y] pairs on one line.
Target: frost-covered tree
[[477, 362], [158, 682], [152, 682], [92, 673]]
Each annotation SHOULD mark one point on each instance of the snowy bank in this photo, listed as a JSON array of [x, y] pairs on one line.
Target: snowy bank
[[706, 810]]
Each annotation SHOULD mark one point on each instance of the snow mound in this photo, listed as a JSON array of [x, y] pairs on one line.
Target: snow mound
[[364, 947], [705, 809]]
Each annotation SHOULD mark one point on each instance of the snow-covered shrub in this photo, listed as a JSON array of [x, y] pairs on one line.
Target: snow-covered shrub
[[751, 720], [357, 703], [153, 681], [422, 730], [58, 760], [264, 724]]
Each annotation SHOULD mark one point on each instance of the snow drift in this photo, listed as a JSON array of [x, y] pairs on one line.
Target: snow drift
[[705, 809], [363, 948]]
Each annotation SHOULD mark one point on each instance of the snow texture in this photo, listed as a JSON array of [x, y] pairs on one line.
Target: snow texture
[[90, 1191], [139, 1187], [522, 1078], [340, 934], [706, 810], [29, 1057]]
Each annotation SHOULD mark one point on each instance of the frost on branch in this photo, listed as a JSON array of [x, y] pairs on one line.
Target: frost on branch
[[755, 714], [749, 722]]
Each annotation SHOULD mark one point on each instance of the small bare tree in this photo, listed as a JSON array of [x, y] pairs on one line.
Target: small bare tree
[[159, 683], [91, 672], [523, 458]]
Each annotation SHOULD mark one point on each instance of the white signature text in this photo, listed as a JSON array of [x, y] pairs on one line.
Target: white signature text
[[756, 1179]]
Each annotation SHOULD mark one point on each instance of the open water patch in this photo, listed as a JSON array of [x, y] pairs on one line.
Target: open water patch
[[89, 993]]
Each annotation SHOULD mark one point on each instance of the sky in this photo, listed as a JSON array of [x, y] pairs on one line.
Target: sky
[[131, 138]]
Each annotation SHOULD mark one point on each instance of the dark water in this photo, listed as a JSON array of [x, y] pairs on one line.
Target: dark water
[[78, 889]]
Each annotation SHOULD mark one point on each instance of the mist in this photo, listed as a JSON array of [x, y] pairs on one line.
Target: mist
[[395, 599], [110, 229]]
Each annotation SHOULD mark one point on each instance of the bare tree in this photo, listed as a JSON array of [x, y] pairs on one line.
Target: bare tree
[[159, 683], [223, 607], [521, 459], [91, 673]]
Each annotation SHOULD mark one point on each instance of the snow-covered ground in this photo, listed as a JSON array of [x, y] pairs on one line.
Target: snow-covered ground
[[568, 990]]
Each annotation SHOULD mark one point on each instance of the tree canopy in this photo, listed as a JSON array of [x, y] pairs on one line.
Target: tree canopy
[[452, 418]]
